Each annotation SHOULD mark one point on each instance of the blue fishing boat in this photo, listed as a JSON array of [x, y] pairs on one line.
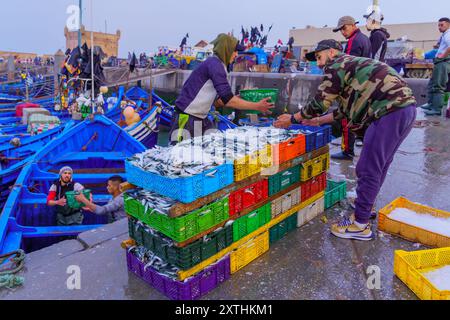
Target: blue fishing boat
[[13, 159], [95, 149]]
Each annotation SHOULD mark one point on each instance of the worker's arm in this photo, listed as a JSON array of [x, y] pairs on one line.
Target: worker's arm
[[445, 54], [328, 91], [51, 198], [238, 103], [88, 204]]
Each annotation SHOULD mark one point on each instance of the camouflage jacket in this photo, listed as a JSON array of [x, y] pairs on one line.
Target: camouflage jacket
[[365, 89]]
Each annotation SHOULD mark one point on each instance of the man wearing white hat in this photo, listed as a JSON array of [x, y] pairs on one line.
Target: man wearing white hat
[[65, 216]]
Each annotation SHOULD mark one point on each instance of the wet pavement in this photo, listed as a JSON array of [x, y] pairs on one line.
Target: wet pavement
[[308, 263]]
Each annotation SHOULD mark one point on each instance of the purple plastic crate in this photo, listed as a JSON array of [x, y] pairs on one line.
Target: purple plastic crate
[[194, 288]]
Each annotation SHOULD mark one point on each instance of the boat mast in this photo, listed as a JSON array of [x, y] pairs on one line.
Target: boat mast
[[92, 57], [81, 22]]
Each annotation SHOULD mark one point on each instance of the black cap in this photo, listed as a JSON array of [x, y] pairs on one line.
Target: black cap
[[323, 45], [240, 48]]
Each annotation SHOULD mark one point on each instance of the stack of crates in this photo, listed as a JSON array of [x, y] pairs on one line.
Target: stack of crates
[[219, 231]]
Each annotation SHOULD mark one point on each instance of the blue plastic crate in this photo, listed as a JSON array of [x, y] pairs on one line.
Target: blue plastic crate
[[187, 189], [319, 136]]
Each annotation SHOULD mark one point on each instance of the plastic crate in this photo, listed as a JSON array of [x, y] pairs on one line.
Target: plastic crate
[[410, 266], [314, 186], [249, 251], [186, 189], [252, 164], [335, 192], [246, 197], [191, 289], [283, 228], [284, 179], [184, 227], [186, 257], [72, 202], [288, 150], [314, 167], [315, 137], [251, 222], [410, 232], [285, 202], [310, 212], [256, 95]]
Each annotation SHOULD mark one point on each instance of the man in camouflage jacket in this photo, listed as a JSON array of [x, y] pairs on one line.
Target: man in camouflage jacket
[[378, 105]]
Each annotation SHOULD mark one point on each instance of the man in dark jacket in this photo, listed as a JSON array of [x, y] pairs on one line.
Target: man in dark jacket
[[358, 45], [378, 36]]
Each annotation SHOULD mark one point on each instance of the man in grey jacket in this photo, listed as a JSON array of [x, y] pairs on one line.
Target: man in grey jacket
[[114, 208]]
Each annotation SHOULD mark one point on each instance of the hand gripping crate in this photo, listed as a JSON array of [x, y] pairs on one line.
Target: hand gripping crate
[[251, 222], [185, 189], [184, 227], [190, 289], [283, 180], [249, 251], [312, 187], [248, 196], [186, 257], [281, 229], [252, 164], [310, 212], [315, 137], [314, 167], [410, 232], [285, 202], [335, 192], [410, 267], [288, 150]]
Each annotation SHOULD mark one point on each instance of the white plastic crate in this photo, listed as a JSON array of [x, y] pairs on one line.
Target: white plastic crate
[[286, 202], [310, 212]]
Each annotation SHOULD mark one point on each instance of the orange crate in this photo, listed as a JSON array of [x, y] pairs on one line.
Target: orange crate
[[409, 232], [288, 150]]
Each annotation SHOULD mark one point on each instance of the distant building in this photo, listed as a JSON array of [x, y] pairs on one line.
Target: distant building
[[108, 42], [421, 35], [201, 44]]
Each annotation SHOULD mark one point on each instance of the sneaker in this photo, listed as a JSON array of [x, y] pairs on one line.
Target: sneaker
[[433, 113], [427, 106], [359, 143], [343, 156], [347, 229]]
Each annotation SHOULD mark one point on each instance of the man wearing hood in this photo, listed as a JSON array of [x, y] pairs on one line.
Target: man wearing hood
[[65, 216], [378, 35], [208, 85]]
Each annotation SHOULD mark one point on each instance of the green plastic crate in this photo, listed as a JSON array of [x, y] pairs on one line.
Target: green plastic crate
[[283, 180], [72, 202], [256, 95], [251, 222], [184, 227], [186, 257], [281, 229], [335, 192]]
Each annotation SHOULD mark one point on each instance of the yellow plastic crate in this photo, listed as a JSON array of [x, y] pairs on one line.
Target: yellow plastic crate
[[252, 164], [249, 251], [184, 274], [314, 167], [410, 266], [410, 232]]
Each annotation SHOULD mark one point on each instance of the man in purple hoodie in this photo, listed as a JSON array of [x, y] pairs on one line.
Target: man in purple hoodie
[[208, 85]]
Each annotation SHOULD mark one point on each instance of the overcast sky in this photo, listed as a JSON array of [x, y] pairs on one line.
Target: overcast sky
[[38, 25]]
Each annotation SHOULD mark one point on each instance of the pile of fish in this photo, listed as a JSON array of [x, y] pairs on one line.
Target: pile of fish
[[149, 259], [202, 153], [176, 161], [152, 201]]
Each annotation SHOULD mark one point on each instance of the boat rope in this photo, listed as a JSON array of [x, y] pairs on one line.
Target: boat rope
[[8, 279], [94, 137]]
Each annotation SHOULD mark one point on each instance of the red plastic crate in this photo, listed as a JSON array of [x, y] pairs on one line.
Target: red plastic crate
[[20, 107], [248, 196], [289, 149], [312, 187]]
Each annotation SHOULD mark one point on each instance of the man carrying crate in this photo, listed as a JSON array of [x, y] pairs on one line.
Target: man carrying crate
[[378, 105]]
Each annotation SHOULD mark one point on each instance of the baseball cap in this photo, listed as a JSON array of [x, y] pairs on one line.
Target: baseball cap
[[323, 45], [344, 21]]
